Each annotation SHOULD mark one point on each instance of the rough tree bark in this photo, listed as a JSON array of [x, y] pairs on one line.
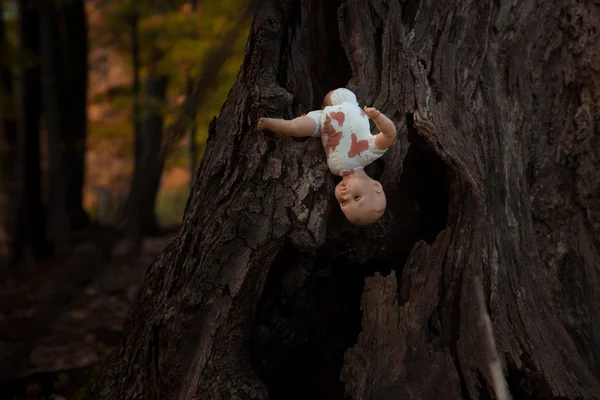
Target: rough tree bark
[[263, 294], [63, 43]]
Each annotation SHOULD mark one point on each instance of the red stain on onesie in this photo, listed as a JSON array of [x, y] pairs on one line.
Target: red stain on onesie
[[339, 117], [357, 146]]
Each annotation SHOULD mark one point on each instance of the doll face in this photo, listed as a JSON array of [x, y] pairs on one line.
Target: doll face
[[361, 199]]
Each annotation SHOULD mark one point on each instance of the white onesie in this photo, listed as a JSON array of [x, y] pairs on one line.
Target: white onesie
[[346, 137]]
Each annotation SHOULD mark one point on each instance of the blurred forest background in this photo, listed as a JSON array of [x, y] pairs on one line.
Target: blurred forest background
[[105, 108]]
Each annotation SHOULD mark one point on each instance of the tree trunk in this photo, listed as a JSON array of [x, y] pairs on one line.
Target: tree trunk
[[263, 294], [8, 151], [139, 212], [135, 95], [189, 92], [75, 42], [64, 66], [141, 202], [31, 226]]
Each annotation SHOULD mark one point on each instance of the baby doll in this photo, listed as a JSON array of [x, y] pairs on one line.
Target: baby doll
[[349, 146]]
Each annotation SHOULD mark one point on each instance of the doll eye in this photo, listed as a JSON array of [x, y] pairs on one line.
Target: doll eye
[[356, 198], [343, 203]]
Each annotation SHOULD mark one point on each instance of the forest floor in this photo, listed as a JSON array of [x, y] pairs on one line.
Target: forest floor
[[58, 322]]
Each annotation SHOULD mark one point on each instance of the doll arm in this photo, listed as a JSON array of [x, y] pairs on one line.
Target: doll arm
[[298, 127], [387, 130]]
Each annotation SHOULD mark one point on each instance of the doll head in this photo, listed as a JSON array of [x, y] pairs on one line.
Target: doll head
[[361, 198], [339, 96]]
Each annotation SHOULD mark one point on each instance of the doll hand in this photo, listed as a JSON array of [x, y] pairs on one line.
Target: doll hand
[[372, 112], [261, 126]]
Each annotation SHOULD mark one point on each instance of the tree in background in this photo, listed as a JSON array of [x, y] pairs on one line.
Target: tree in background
[[8, 143], [189, 91], [139, 211], [31, 227], [167, 41], [268, 292], [63, 48], [49, 56]]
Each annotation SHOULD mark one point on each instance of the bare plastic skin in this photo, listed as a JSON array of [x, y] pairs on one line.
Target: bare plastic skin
[[361, 198]]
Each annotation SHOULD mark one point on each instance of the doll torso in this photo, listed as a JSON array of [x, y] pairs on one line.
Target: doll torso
[[346, 137]]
